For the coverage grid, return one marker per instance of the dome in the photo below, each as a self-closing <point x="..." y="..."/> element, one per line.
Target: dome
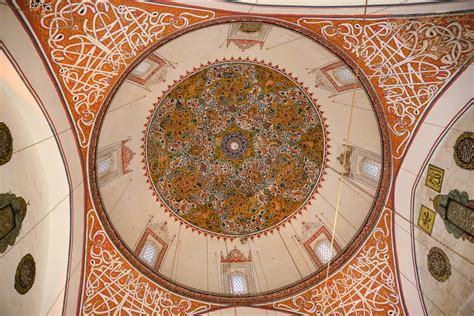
<point x="236" y="146"/>
<point x="236" y="157"/>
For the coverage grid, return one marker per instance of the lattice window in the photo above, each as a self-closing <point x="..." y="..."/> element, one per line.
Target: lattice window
<point x="324" y="251"/>
<point x="370" y="168"/>
<point x="345" y="76"/>
<point x="149" y="252"/>
<point x="105" y="166"/>
<point x="142" y="68"/>
<point x="109" y="164"/>
<point x="237" y="275"/>
<point x="361" y="165"/>
<point x="239" y="283"/>
<point x="113" y="161"/>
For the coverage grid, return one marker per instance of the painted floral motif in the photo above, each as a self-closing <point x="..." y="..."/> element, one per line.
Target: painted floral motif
<point x="235" y="148"/>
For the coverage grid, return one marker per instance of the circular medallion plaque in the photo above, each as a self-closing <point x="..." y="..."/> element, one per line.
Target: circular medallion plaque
<point x="464" y="151"/>
<point x="438" y="264"/>
<point x="25" y="274"/>
<point x="235" y="148"/>
<point x="6" y="144"/>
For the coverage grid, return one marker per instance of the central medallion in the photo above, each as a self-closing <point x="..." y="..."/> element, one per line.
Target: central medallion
<point x="234" y="145"/>
<point x="235" y="148"/>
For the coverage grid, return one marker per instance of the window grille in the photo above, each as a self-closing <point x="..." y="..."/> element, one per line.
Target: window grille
<point x="239" y="283"/>
<point x="344" y="76"/>
<point x="324" y="251"/>
<point x="142" y="68"/>
<point x="105" y="166"/>
<point x="370" y="168"/>
<point x="149" y="253"/>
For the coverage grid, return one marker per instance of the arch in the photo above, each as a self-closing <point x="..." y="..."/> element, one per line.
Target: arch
<point x="307" y="281"/>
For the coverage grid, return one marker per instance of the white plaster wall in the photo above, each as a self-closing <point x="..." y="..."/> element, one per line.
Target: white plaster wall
<point x="38" y="173"/>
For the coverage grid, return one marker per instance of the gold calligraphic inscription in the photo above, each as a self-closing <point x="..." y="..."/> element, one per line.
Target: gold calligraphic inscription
<point x="7" y="220"/>
<point x="434" y="178"/>
<point x="426" y="219"/>
<point x="462" y="216"/>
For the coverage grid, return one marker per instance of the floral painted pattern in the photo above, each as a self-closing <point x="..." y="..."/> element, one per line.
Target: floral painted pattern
<point x="235" y="148"/>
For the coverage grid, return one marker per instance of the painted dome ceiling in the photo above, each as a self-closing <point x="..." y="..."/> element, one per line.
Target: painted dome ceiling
<point x="235" y="148"/>
<point x="229" y="148"/>
<point x="237" y="157"/>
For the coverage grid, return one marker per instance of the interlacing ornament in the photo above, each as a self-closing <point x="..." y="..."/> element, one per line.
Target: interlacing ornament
<point x="90" y="44"/>
<point x="366" y="285"/>
<point x="112" y="287"/>
<point x="235" y="148"/>
<point x="409" y="60"/>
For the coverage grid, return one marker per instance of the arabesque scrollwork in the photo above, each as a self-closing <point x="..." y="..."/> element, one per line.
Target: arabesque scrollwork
<point x="112" y="287"/>
<point x="366" y="286"/>
<point x="92" y="42"/>
<point x="409" y="60"/>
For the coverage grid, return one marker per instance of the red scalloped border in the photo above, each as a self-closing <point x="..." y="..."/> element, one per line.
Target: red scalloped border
<point x="288" y="219"/>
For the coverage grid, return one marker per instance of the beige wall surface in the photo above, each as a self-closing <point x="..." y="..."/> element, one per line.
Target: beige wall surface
<point x="45" y="170"/>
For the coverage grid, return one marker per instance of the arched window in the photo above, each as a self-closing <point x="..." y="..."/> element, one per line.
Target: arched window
<point x="324" y="251"/>
<point x="239" y="283"/>
<point x="370" y="168"/>
<point x="149" y="253"/>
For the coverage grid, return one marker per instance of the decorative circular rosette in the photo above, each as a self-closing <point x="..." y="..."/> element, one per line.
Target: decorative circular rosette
<point x="235" y="148"/>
